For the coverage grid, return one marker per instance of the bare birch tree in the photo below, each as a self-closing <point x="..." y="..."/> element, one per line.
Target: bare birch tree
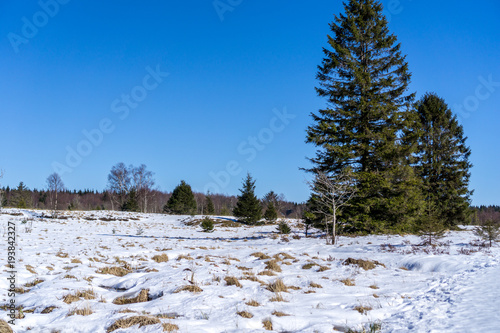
<point x="143" y="183"/>
<point x="54" y="185"/>
<point x="331" y="193"/>
<point x="119" y="183"/>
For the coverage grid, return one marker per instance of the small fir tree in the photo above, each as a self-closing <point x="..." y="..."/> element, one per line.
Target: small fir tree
<point x="207" y="224"/>
<point x="431" y="226"/>
<point x="248" y="207"/>
<point x="270" y="215"/>
<point x="489" y="231"/>
<point x="283" y="228"/>
<point x="209" y="205"/>
<point x="182" y="201"/>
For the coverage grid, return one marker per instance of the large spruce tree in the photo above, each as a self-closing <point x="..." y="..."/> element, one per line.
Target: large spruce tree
<point x="182" y="200"/>
<point x="248" y="207"/>
<point x="364" y="78"/>
<point x="443" y="160"/>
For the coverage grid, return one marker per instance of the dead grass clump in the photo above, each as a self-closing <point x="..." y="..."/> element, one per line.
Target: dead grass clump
<point x="76" y="261"/>
<point x="323" y="268"/>
<point x="309" y="265"/>
<point x="21" y="290"/>
<point x="67" y="276"/>
<point x="277" y="298"/>
<point x="374" y="286"/>
<point x="277" y="286"/>
<point x="85" y="294"/>
<point x="132" y="321"/>
<point x="243" y="268"/>
<point x="279" y="314"/>
<point x="315" y="285"/>
<point x="268" y="324"/>
<point x="4" y="327"/>
<point x="61" y="254"/>
<point x="232" y="281"/>
<point x="191" y="288"/>
<point x="160" y="258"/>
<point x="245" y="314"/>
<point x="273" y="265"/>
<point x="141" y="298"/>
<point x="252" y="303"/>
<point x="33" y="283"/>
<point x="365" y="264"/>
<point x="182" y="256"/>
<point x="348" y="282"/>
<point x="268" y="273"/>
<point x="362" y="309"/>
<point x="85" y="311"/>
<point x="31" y="269"/>
<point x="168" y="327"/>
<point x="284" y="256"/>
<point x="260" y="255"/>
<point x="252" y="278"/>
<point x="114" y="270"/>
<point x="48" y="309"/>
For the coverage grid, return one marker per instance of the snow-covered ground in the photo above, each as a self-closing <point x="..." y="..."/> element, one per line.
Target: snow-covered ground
<point x="454" y="287"/>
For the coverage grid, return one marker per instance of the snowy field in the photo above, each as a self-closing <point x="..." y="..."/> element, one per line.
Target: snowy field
<point x="104" y="271"/>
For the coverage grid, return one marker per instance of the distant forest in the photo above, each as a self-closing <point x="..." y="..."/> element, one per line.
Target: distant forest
<point x="89" y="199"/>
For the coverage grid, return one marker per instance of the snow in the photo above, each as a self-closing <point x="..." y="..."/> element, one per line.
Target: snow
<point x="454" y="287"/>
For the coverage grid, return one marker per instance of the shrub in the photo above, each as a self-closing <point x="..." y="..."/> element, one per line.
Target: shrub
<point x="207" y="224"/>
<point x="283" y="228"/>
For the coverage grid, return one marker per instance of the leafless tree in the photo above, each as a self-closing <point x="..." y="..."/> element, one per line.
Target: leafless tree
<point x="143" y="183"/>
<point x="54" y="185"/>
<point x="119" y="183"/>
<point x="331" y="193"/>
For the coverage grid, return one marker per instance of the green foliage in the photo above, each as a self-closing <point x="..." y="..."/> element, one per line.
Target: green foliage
<point x="489" y="231"/>
<point x="248" y="207"/>
<point x="364" y="78"/>
<point x="270" y="215"/>
<point x="207" y="224"/>
<point x="131" y="205"/>
<point x="443" y="160"/>
<point x="182" y="201"/>
<point x="21" y="197"/>
<point x="209" y="205"/>
<point x="283" y="228"/>
<point x="431" y="225"/>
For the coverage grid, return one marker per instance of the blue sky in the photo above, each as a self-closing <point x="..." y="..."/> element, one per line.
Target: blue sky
<point x="206" y="96"/>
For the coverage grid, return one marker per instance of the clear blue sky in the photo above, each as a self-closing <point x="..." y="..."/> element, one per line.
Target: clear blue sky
<point x="74" y="70"/>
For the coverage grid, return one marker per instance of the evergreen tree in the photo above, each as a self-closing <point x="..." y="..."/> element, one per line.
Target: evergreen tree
<point x="364" y="78"/>
<point x="443" y="160"/>
<point x="248" y="206"/>
<point x="182" y="201"/>
<point x="270" y="215"/>
<point x="131" y="205"/>
<point x="21" y="196"/>
<point x="209" y="205"/>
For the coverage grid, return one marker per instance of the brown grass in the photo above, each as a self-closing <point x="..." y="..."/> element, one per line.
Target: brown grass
<point x="268" y="273"/>
<point x="76" y="261"/>
<point x="141" y="298"/>
<point x="309" y="265"/>
<point x="277" y="286"/>
<point x="160" y="258"/>
<point x="67" y="276"/>
<point x="232" y="281"/>
<point x="31" y="269"/>
<point x="4" y="327"/>
<point x="168" y="327"/>
<point x="283" y="256"/>
<point x="268" y="324"/>
<point x="191" y="288"/>
<point x="33" y="283"/>
<point x="182" y="256"/>
<point x="61" y="254"/>
<point x="315" y="285"/>
<point x="48" y="309"/>
<point x="277" y="298"/>
<point x="85" y="311"/>
<point x="252" y="303"/>
<point x="245" y="314"/>
<point x="114" y="270"/>
<point x="273" y="265"/>
<point x="365" y="264"/>
<point x="362" y="309"/>
<point x="323" y="268"/>
<point x="279" y="314"/>
<point x="85" y="294"/>
<point x="132" y="321"/>
<point x="374" y="286"/>
<point x="260" y="255"/>
<point x="348" y="282"/>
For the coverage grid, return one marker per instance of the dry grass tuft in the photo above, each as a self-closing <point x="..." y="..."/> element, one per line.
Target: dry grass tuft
<point x="309" y="265"/>
<point x="85" y="311"/>
<point x="268" y="324"/>
<point x="273" y="265"/>
<point x="365" y="264"/>
<point x="232" y="281"/>
<point x="168" y="327"/>
<point x="277" y="298"/>
<point x="323" y="268"/>
<point x="31" y="269"/>
<point x="132" y="321"/>
<point x="114" y="270"/>
<point x="76" y="261"/>
<point x="362" y="309"/>
<point x="191" y="288"/>
<point x="374" y="286"/>
<point x="268" y="273"/>
<point x="252" y="303"/>
<point x="141" y="298"/>
<point x="33" y="283"/>
<point x="279" y="314"/>
<point x="348" y="282"/>
<point x="160" y="258"/>
<point x="315" y="285"/>
<point x="67" y="276"/>
<point x="260" y="255"/>
<point x="85" y="294"/>
<point x="61" y="254"/>
<point x="48" y="309"/>
<point x="182" y="256"/>
<point x="277" y="286"/>
<point x="4" y="327"/>
<point x="245" y="314"/>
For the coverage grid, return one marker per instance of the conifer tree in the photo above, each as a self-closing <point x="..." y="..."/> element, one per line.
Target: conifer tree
<point x="182" y="200"/>
<point x="364" y="78"/>
<point x="270" y="215"/>
<point x="443" y="160"/>
<point x="131" y="205"/>
<point x="209" y="205"/>
<point x="248" y="206"/>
